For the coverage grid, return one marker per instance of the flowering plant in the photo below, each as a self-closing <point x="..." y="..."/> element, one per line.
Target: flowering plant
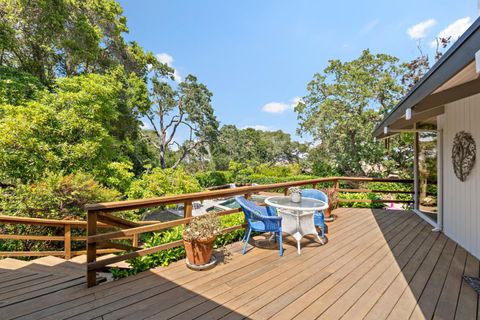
<point x="295" y="190"/>
<point x="202" y="227"/>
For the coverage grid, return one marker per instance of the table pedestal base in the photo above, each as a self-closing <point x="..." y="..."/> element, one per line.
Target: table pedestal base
<point x="299" y="224"/>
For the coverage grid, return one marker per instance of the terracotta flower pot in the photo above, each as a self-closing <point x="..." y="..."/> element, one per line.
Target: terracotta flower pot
<point x="328" y="212"/>
<point x="199" y="252"/>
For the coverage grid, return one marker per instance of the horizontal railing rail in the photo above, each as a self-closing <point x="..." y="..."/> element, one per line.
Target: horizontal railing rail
<point x="67" y="238"/>
<point x="103" y="212"/>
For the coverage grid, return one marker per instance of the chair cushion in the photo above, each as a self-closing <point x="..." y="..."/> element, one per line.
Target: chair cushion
<point x="257" y="226"/>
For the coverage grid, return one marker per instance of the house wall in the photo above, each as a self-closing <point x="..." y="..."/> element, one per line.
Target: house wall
<point x="461" y="200"/>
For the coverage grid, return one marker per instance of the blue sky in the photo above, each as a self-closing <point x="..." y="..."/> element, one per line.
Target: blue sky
<point x="257" y="56"/>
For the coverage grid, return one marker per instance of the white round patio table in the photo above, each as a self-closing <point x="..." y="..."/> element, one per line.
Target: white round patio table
<point x="297" y="217"/>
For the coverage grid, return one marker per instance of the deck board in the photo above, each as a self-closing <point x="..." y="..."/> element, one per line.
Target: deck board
<point x="377" y="264"/>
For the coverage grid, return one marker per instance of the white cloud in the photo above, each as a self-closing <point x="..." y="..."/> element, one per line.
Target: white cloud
<point x="369" y="26"/>
<point x="260" y="127"/>
<point x="281" y="107"/>
<point x="165" y="58"/>
<point x="456" y="29"/>
<point x="419" y="31"/>
<point x="275" y="107"/>
<point x="168" y="60"/>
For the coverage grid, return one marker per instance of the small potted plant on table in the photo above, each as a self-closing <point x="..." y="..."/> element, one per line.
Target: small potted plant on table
<point x="295" y="194"/>
<point x="198" y="238"/>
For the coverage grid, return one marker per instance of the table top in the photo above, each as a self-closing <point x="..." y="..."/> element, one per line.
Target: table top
<point x="306" y="204"/>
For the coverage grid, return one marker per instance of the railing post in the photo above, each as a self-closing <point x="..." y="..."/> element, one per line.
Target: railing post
<point x="248" y="196"/>
<point x="91" y="247"/>
<point x="135" y="240"/>
<point x="337" y="185"/>
<point x="285" y="192"/>
<point x="67" y="233"/>
<point x="314" y="186"/>
<point x="187" y="209"/>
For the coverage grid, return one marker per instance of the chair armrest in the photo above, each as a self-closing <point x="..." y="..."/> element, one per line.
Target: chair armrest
<point x="258" y="216"/>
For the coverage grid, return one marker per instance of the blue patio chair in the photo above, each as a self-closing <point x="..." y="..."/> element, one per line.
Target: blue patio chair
<point x="260" y="219"/>
<point x="318" y="217"/>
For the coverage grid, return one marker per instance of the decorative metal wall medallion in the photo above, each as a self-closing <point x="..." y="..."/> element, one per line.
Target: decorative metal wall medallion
<point x="463" y="154"/>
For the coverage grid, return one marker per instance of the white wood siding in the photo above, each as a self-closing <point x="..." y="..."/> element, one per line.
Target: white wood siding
<point x="461" y="204"/>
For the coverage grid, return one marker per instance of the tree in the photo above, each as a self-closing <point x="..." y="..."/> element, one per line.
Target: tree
<point x="344" y="104"/>
<point x="188" y="107"/>
<point x="70" y="129"/>
<point x="17" y="87"/>
<point x="51" y="38"/>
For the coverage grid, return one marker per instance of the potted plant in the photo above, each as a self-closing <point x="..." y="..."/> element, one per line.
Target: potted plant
<point x="332" y="195"/>
<point x="295" y="194"/>
<point x="199" y="237"/>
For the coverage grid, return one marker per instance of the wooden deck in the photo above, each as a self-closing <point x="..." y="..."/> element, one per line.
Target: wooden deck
<point x="376" y="265"/>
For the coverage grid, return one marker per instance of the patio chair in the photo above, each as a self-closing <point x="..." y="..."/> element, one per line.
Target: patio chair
<point x="260" y="219"/>
<point x="318" y="217"/>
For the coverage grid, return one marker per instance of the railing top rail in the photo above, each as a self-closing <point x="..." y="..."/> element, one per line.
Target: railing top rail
<point x="165" y="200"/>
<point x="57" y="222"/>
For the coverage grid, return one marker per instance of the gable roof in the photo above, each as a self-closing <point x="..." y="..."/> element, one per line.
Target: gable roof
<point x="460" y="54"/>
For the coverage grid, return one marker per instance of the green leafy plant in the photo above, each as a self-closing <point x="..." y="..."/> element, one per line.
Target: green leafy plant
<point x="368" y="196"/>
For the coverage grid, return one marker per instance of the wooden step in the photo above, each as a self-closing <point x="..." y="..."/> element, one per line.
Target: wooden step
<point x="60" y="266"/>
<point x="13" y="264"/>
<point x="83" y="260"/>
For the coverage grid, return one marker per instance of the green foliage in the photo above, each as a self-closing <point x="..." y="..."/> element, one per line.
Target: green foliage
<point x="344" y="104"/>
<point x="119" y="175"/>
<point x="55" y="197"/>
<point x="165" y="257"/>
<point x="239" y="145"/>
<point x="47" y="38"/>
<point x="160" y="182"/>
<point x="67" y="130"/>
<point x="17" y="87"/>
<point x="212" y="178"/>
<point x="251" y="172"/>
<point x="370" y="196"/>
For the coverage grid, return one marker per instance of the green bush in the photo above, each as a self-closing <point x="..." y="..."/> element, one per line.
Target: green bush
<point x="54" y="197"/>
<point x="212" y="178"/>
<point x="371" y="196"/>
<point x="165" y="257"/>
<point x="17" y="86"/>
<point x="160" y="182"/>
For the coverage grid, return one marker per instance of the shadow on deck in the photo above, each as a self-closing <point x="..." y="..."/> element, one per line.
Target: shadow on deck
<point x="377" y="264"/>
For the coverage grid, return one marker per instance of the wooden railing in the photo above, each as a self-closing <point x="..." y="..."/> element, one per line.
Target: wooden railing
<point x="103" y="212"/>
<point x="67" y="238"/>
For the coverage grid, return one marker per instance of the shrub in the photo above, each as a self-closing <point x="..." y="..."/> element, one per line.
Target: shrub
<point x="212" y="178"/>
<point x="54" y="197"/>
<point x="160" y="182"/>
<point x="371" y="196"/>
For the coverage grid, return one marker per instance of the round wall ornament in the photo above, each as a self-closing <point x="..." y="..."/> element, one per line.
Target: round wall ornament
<point x="463" y="154"/>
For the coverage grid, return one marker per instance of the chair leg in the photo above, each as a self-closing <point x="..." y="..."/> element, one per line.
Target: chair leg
<point x="323" y="226"/>
<point x="280" y="242"/>
<point x="245" y="234"/>
<point x="246" y="241"/>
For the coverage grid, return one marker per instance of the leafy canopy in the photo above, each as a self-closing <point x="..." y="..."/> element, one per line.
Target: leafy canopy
<point x="344" y="104"/>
